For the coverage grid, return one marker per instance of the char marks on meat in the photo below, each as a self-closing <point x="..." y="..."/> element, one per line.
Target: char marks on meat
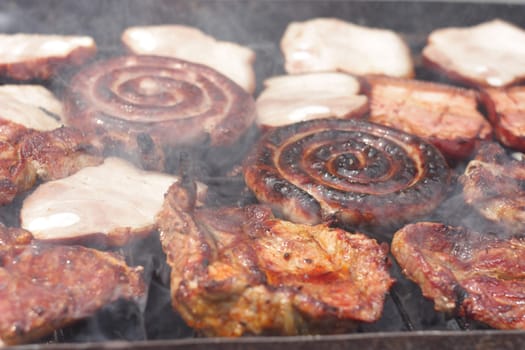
<point x="40" y="56"/>
<point x="330" y="44"/>
<point x="493" y="183"/>
<point x="27" y="155"/>
<point x="356" y="172"/>
<point x="112" y="203"/>
<point x="191" y="44"/>
<point x="137" y="106"/>
<point x="474" y="275"/>
<point x="289" y="99"/>
<point x="46" y="287"/>
<point x="488" y="54"/>
<point x="241" y="271"/>
<point x="506" y="112"/>
<point x="444" y="115"/>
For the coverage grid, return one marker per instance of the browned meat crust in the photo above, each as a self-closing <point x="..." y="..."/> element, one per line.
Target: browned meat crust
<point x="473" y="275"/>
<point x="138" y="105"/>
<point x="444" y="115"/>
<point x="506" y="112"/>
<point x="493" y="183"/>
<point x="354" y="171"/>
<point x="26" y="155"/>
<point x="240" y="271"/>
<point x="45" y="287"/>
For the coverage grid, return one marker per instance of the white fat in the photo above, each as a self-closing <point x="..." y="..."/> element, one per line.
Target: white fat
<point x="329" y="44"/>
<point x="292" y="98"/>
<point x="491" y="53"/>
<point x="111" y="197"/>
<point x="187" y="43"/>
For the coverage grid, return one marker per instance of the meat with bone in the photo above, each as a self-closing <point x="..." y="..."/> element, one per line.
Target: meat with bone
<point x="138" y="106"/>
<point x="241" y="271"/>
<point x="330" y="44"/>
<point x="191" y="44"/>
<point x="289" y="99"/>
<point x="506" y="112"/>
<point x="488" y="54"/>
<point x="474" y="275"/>
<point x="354" y="171"/>
<point x="493" y="183"/>
<point x="40" y="56"/>
<point x="112" y="203"/>
<point x="33" y="106"/>
<point x="46" y="287"/>
<point x="27" y="155"/>
<point x="445" y="116"/>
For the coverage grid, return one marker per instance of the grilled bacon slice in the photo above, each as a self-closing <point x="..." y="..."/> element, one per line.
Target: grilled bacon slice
<point x="506" y="111"/>
<point x="191" y="44"/>
<point x="490" y="54"/>
<point x="39" y="56"/>
<point x="445" y="116"/>
<point x="356" y="172"/>
<point x="474" y="275"/>
<point x="241" y="271"/>
<point x="493" y="183"/>
<point x="330" y="44"/>
<point x="46" y="287"/>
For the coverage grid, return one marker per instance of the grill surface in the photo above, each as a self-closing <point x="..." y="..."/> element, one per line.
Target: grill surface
<point x="409" y="320"/>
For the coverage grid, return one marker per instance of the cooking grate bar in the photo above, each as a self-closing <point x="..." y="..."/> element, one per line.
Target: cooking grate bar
<point x="409" y="326"/>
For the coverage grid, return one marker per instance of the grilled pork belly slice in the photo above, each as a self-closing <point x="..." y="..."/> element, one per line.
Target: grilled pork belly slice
<point x="330" y="44"/>
<point x="191" y="44"/>
<point x="493" y="183"/>
<point x="241" y="271"/>
<point x="488" y="54"/>
<point x="446" y="116"/>
<point x="506" y="112"/>
<point x="40" y="56"/>
<point x="112" y="203"/>
<point x="33" y="106"/>
<point x="27" y="155"/>
<point x="474" y="275"/>
<point x="289" y="99"/>
<point x="46" y="287"/>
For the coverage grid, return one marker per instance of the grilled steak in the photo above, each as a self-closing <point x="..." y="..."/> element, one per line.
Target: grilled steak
<point x="467" y="273"/>
<point x="354" y="171"/>
<point x="493" y="183"/>
<point x="487" y="54"/>
<point x="137" y="106"/>
<point x="39" y="56"/>
<point x="26" y="155"/>
<point x="289" y="99"/>
<point x="191" y="44"/>
<point x="444" y="115"/>
<point x="506" y="111"/>
<point x="330" y="44"/>
<point x="45" y="287"/>
<point x="241" y="271"/>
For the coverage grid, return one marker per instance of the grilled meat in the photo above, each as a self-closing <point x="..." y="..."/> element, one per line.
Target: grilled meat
<point x="444" y="115"/>
<point x="39" y="56"/>
<point x="330" y="44"/>
<point x="191" y="44"/>
<point x="112" y="203"/>
<point x="493" y="183"/>
<point x="27" y="155"/>
<point x="289" y="99"/>
<point x="137" y="106"/>
<point x="354" y="171"/>
<point x="506" y="111"/>
<point x="241" y="271"/>
<point x="487" y="54"/>
<point x="45" y="287"/>
<point x="467" y="273"/>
